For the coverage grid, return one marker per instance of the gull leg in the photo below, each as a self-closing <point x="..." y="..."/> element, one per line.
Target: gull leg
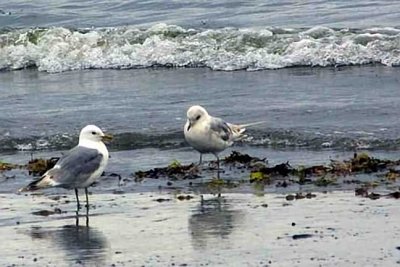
<point x="217" y="167"/>
<point x="78" y="206"/>
<point x="87" y="199"/>
<point x="219" y="193"/>
<point x="87" y="206"/>
<point x="200" y="161"/>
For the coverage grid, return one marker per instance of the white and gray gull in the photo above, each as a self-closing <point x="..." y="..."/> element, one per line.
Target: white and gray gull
<point x="208" y="134"/>
<point x="79" y="167"/>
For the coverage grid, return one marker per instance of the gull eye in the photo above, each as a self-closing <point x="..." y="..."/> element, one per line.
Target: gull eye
<point x="198" y="117"/>
<point x="94" y="133"/>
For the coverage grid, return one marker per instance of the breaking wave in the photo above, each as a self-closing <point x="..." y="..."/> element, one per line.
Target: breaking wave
<point x="278" y="139"/>
<point x="61" y="49"/>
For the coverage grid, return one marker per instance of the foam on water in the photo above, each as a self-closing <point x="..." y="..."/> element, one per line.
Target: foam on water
<point x="60" y="49"/>
<point x="276" y="138"/>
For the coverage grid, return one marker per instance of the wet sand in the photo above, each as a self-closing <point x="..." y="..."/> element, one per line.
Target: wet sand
<point x="157" y="229"/>
<point x="144" y="222"/>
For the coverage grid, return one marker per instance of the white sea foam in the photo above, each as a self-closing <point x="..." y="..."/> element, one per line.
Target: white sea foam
<point x="61" y="49"/>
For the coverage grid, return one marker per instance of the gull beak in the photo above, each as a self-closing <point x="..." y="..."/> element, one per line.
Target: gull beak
<point x="189" y="125"/>
<point x="106" y="137"/>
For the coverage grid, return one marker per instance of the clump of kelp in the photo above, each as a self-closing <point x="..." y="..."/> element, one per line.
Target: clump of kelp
<point x="174" y="171"/>
<point x="35" y="167"/>
<point x="243" y="160"/>
<point x="364" y="192"/>
<point x="323" y="175"/>
<point x="4" y="166"/>
<point x="284" y="174"/>
<point x="261" y="171"/>
<point x="178" y="171"/>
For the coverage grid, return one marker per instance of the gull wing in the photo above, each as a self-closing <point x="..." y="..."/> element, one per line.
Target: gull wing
<point x="221" y="128"/>
<point x="75" y="167"/>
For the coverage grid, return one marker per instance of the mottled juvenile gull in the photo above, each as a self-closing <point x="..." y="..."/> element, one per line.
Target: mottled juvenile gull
<point x="208" y="134"/>
<point x="79" y="167"/>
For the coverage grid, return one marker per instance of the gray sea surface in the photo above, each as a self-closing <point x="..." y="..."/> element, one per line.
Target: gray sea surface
<point x="347" y="108"/>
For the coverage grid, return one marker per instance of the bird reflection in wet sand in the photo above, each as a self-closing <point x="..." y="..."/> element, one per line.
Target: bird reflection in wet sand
<point x="81" y="244"/>
<point x="211" y="221"/>
<point x="86" y="218"/>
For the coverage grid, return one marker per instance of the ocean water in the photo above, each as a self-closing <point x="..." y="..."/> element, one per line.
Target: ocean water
<point x="322" y="74"/>
<point x="312" y="108"/>
<point x="58" y="36"/>
<point x="197" y="13"/>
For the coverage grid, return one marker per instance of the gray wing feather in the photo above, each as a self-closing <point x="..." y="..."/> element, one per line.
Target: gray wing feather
<point x="221" y="128"/>
<point x="76" y="166"/>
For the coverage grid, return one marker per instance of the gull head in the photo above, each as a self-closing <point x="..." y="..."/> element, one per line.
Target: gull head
<point x="92" y="133"/>
<point x="195" y="114"/>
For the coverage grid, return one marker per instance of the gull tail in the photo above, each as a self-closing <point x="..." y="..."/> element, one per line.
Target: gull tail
<point x="44" y="182"/>
<point x="243" y="126"/>
<point x="239" y="129"/>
